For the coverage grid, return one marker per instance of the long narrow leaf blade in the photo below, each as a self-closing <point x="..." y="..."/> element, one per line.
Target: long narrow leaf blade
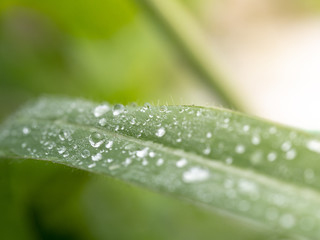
<point x="246" y="167"/>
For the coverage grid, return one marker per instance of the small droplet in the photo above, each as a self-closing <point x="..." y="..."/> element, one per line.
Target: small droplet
<point x="179" y="140"/>
<point x="96" y="157"/>
<point x="96" y="139"/>
<point x="246" y="128"/>
<point x="100" y="110"/>
<point x="85" y="153"/>
<point x="160" y="132"/>
<point x="229" y="160"/>
<point x="61" y="149"/>
<point x="287" y="221"/>
<point x="181" y="163"/>
<point x="207" y="151"/>
<point x="152" y="154"/>
<point x="144" y="162"/>
<point x="291" y="154"/>
<point x="25" y="130"/>
<point x="102" y="122"/>
<point x="195" y="174"/>
<point x="133" y="121"/>
<point x="160" y="162"/>
<point x="142" y="153"/>
<point x="127" y="162"/>
<point x="109" y="144"/>
<point x="286" y="146"/>
<point x="240" y="149"/>
<point x="255" y="140"/>
<point x="64" y="135"/>
<point x="272" y="156"/>
<point x="272" y="130"/>
<point x="209" y="135"/>
<point x="163" y="108"/>
<point x="92" y="165"/>
<point x="117" y="109"/>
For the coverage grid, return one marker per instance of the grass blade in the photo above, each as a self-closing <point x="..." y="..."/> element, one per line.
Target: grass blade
<point x="243" y="166"/>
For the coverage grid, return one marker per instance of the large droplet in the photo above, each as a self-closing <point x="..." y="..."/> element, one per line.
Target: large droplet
<point x="96" y="139"/>
<point x="117" y="109"/>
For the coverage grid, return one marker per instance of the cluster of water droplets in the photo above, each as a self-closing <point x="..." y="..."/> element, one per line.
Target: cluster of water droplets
<point x="181" y="146"/>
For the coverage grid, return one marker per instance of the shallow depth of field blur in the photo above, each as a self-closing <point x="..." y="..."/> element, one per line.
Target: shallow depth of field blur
<point x="112" y="50"/>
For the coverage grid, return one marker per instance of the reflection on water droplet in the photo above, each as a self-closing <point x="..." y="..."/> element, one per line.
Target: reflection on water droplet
<point x="209" y="135"/>
<point x="160" y="132"/>
<point x="100" y="110"/>
<point x="64" y="135"/>
<point x="85" y="153"/>
<point x="96" y="139"/>
<point x="117" y="109"/>
<point x="195" y="174"/>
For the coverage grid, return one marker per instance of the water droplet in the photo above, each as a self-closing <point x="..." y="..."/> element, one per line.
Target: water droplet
<point x="314" y="145"/>
<point x="61" y="149"/>
<point x="181" y="163"/>
<point x="272" y="156"/>
<point x="92" y="165"/>
<point x="163" y="108"/>
<point x="142" y="153"/>
<point x="127" y="162"/>
<point x="209" y="135"/>
<point x="102" y="122"/>
<point x="25" y="130"/>
<point x="246" y="128"/>
<point x="109" y="160"/>
<point x="96" y="157"/>
<point x="100" y="110"/>
<point x="160" y="162"/>
<point x="109" y="144"/>
<point x="247" y="186"/>
<point x="144" y="162"/>
<point x="23" y="145"/>
<point x="152" y="154"/>
<point x="147" y="106"/>
<point x="133" y="121"/>
<point x="85" y="153"/>
<point x="179" y="140"/>
<point x="255" y="140"/>
<point x="240" y="149"/>
<point x="195" y="174"/>
<point x="272" y="130"/>
<point x="256" y="157"/>
<point x="287" y="221"/>
<point x="96" y="139"/>
<point x="160" y="132"/>
<point x="229" y="160"/>
<point x="286" y="146"/>
<point x="291" y="154"/>
<point x="117" y="109"/>
<point x="207" y="151"/>
<point x="64" y="135"/>
<point x="309" y="175"/>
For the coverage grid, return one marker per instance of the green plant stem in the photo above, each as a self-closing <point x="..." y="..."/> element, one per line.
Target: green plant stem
<point x="191" y="43"/>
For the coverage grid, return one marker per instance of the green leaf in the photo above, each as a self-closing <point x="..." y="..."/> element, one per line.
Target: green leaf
<point x="248" y="168"/>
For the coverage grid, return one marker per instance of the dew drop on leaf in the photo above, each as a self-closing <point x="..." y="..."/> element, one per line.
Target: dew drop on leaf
<point x="85" y="153"/>
<point x="160" y="132"/>
<point x="117" y="109"/>
<point x="181" y="163"/>
<point x="100" y="110"/>
<point x="195" y="174"/>
<point x="96" y="139"/>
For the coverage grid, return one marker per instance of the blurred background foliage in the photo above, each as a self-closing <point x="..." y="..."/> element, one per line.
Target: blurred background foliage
<point x="110" y="50"/>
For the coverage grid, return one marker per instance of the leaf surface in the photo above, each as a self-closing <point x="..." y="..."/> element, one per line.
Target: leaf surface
<point x="249" y="168"/>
